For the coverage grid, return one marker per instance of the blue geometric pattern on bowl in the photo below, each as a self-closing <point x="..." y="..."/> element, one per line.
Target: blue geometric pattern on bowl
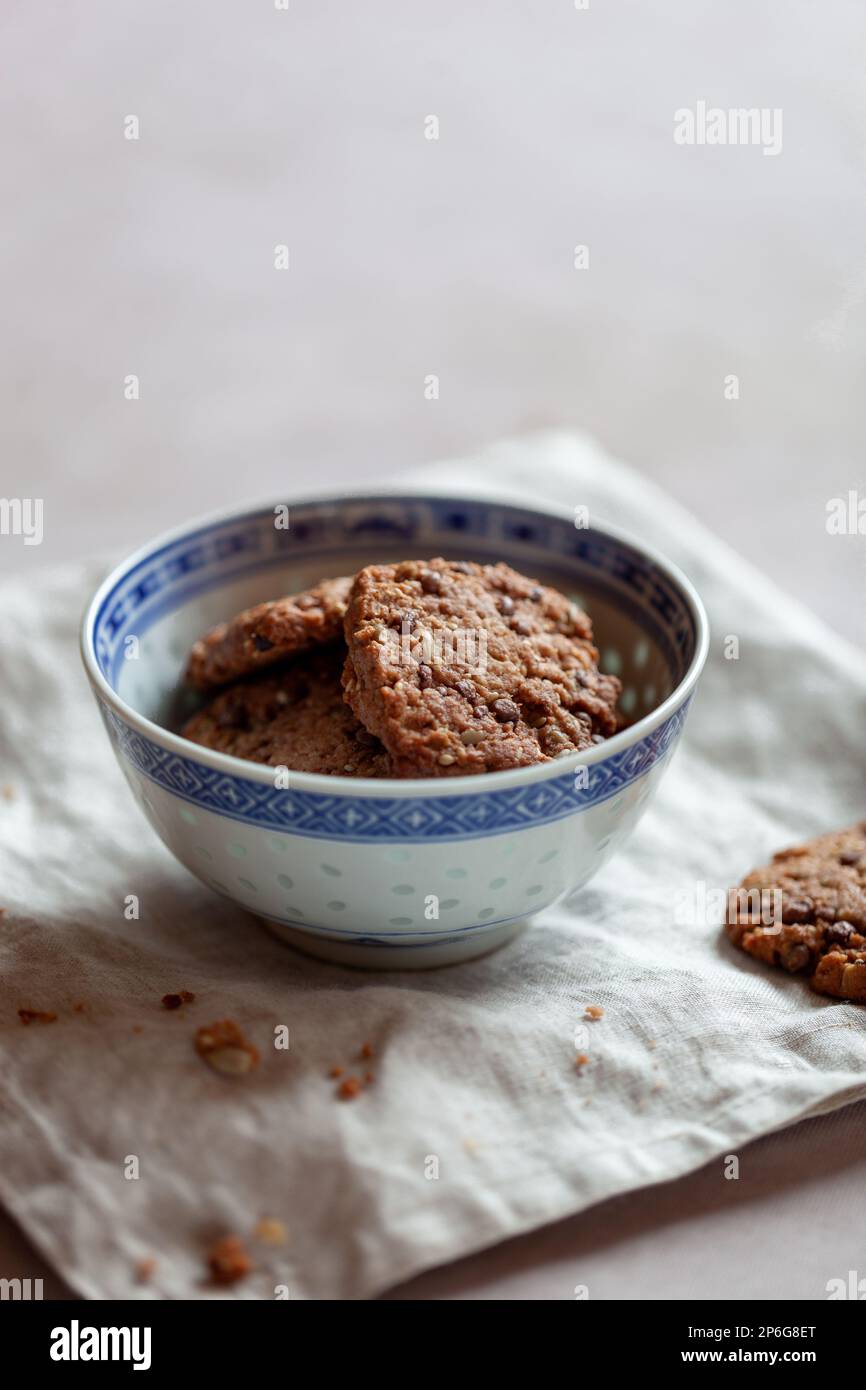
<point x="365" y="819"/>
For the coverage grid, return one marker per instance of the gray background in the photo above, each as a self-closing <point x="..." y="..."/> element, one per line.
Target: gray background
<point x="455" y="257"/>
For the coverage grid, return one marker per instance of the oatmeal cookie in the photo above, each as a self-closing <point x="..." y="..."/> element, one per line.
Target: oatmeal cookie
<point x="295" y="717"/>
<point x="822" y="933"/>
<point x="465" y="668"/>
<point x="268" y="633"/>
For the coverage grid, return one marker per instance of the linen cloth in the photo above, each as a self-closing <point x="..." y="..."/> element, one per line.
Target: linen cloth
<point x="700" y="1049"/>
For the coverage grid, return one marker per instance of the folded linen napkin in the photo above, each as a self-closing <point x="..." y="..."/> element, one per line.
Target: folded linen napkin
<point x="699" y="1050"/>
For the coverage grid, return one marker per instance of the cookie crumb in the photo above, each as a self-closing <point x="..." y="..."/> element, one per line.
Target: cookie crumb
<point x="652" y="1044"/>
<point x="367" y="1050"/>
<point x="223" y="1046"/>
<point x="29" y="1016"/>
<point x="594" y="1011"/>
<point x="228" y="1260"/>
<point x="176" y="1001"/>
<point x="137" y="1028"/>
<point x="145" y="1270"/>
<point x="335" y="1072"/>
<point x="369" y="1078"/>
<point x="79" y="1008"/>
<point x="270" y="1231"/>
<point x="581" y="1060"/>
<point x="350" y="1088"/>
<point x="471" y="1146"/>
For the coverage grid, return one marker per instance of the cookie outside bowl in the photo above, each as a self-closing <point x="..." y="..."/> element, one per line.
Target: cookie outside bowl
<point x="380" y="873"/>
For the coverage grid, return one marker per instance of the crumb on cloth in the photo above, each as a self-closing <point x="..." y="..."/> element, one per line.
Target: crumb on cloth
<point x="175" y="1001"/>
<point x="228" y="1260"/>
<point x="223" y="1046"/>
<point x="270" y="1231"/>
<point x="28" y="1016"/>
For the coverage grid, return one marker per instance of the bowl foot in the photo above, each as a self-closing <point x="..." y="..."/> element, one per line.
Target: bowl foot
<point x="373" y="955"/>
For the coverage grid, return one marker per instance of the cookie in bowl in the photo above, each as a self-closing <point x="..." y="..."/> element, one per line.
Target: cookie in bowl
<point x="268" y="633"/>
<point x="449" y="668"/>
<point x="464" y="668"/>
<point x="295" y="718"/>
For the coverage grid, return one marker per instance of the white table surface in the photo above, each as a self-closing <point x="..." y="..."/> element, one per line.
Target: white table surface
<point x="411" y="257"/>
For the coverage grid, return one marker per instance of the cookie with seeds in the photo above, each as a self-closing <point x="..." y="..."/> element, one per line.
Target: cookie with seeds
<point x="818" y="889"/>
<point x="295" y="717"/>
<point x="268" y="633"/>
<point x="463" y="668"/>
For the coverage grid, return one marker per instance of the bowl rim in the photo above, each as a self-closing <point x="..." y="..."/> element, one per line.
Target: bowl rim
<point x="331" y="785"/>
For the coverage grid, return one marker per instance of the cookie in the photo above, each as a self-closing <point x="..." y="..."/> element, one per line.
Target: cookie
<point x="822" y="933"/>
<point x="464" y="668"/>
<point x="268" y="633"/>
<point x="295" y="717"/>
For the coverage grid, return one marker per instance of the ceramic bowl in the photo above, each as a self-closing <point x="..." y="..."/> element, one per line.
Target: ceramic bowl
<point x="389" y="873"/>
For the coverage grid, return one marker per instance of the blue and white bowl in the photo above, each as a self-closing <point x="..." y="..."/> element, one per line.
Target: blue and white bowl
<point x="389" y="873"/>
